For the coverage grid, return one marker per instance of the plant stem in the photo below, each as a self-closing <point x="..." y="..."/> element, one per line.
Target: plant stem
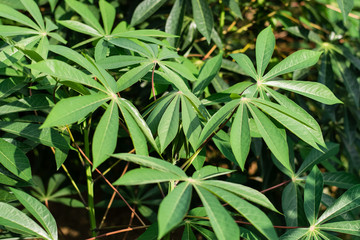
<point x="90" y="184"/>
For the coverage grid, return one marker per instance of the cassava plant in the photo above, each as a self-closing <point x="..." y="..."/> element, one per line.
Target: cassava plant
<point x="129" y="110"/>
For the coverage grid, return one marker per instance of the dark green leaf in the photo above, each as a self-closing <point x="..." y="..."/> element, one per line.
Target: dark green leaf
<point x="312" y="194"/>
<point x="203" y="18"/>
<point x="347" y="227"/>
<point x="265" y="44"/>
<point x="175" y="20"/>
<point x="144" y="10"/>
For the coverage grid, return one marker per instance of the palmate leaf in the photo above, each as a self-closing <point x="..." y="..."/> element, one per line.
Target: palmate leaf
<point x="295" y="234"/>
<point x="347" y="227"/>
<point x="345" y="203"/>
<point x="39" y="211"/>
<point x="106" y="134"/>
<point x="265" y="44"/>
<point x="72" y="109"/>
<point x="254" y="215"/>
<point x="120" y="61"/>
<point x="173" y="208"/>
<point x="144" y="10"/>
<point x="80" y="27"/>
<point x="240" y="138"/>
<point x="313" y="90"/>
<point x="272" y="136"/>
<point x="10" y="13"/>
<point x="298" y="60"/>
<point x="245" y="64"/>
<point x="203" y="18"/>
<point x="210" y="172"/>
<point x="14" y="160"/>
<point x="108" y="13"/>
<point x="312" y="194"/>
<point x="180" y="69"/>
<point x="134" y="75"/>
<point x="32" y="7"/>
<point x="13" y="218"/>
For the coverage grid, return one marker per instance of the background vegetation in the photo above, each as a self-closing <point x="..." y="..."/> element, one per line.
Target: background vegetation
<point x="185" y="119"/>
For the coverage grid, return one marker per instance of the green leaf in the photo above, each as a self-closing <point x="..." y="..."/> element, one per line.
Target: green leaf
<point x="345" y="203"/>
<point x="141" y="176"/>
<point x="169" y="123"/>
<point x="222" y="223"/>
<point x="180" y="69"/>
<point x="108" y="13"/>
<point x="132" y="76"/>
<point x="39" y="211"/>
<point x="295" y="234"/>
<point x="210" y="172"/>
<point x="240" y="138"/>
<point x="203" y="18"/>
<point x="32" y="7"/>
<point x="139" y="120"/>
<point x="86" y="14"/>
<point x="209" y="235"/>
<point x="340" y="179"/>
<point x="65" y="72"/>
<point x="35" y="102"/>
<point x="14" y="160"/>
<point x="347" y="227"/>
<point x="272" y="136"/>
<point x="315" y="157"/>
<point x="132" y="45"/>
<point x="190" y="121"/>
<point x="144" y="10"/>
<point x="245" y="64"/>
<point x="298" y="60"/>
<point x="345" y="7"/>
<point x="234" y="8"/>
<point x="254" y="215"/>
<point x="120" y="61"/>
<point x="15" y="219"/>
<point x="10" y="13"/>
<point x="290" y="204"/>
<point x="106" y="134"/>
<point x="137" y="136"/>
<point x="216" y="120"/>
<point x="207" y="74"/>
<point x="245" y="192"/>
<point x="173" y="208"/>
<point x="157" y="110"/>
<point x="151" y="162"/>
<point x="312" y="194"/>
<point x="79" y="27"/>
<point x="265" y="44"/>
<point x="72" y="109"/>
<point x="188" y="234"/>
<point x="313" y="90"/>
<point x="175" y="20"/>
<point x="9" y="31"/>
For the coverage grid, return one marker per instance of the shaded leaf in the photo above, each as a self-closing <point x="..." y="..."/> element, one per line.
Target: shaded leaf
<point x="312" y="194"/>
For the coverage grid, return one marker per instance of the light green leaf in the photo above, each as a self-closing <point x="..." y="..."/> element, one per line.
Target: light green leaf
<point x="210" y="172"/>
<point x="35" y="102"/>
<point x="10" y="13"/>
<point x="120" y="61"/>
<point x="32" y="7"/>
<point x="203" y="18"/>
<point x="180" y="69"/>
<point x="151" y="162"/>
<point x="234" y="8"/>
<point x="169" y="123"/>
<point x="295" y="234"/>
<point x="105" y="136"/>
<point x="207" y="74"/>
<point x="173" y="208"/>
<point x="245" y="192"/>
<point x="80" y="27"/>
<point x="340" y="179"/>
<point x="254" y="215"/>
<point x="14" y="160"/>
<point x="72" y="109"/>
<point x="15" y="219"/>
<point x="345" y="7"/>
<point x="240" y="138"/>
<point x="137" y="136"/>
<point x="174" y="21"/>
<point x="272" y="136"/>
<point x="174" y="79"/>
<point x="108" y="15"/>
<point x="216" y="120"/>
<point x="141" y="176"/>
<point x="39" y="211"/>
<point x="132" y="45"/>
<point x="190" y="121"/>
<point x="222" y="223"/>
<point x="313" y="90"/>
<point x="245" y="64"/>
<point x="347" y="227"/>
<point x="132" y="76"/>
<point x="144" y="10"/>
<point x="9" y="31"/>
<point x="65" y="72"/>
<point x="298" y="60"/>
<point x="265" y="44"/>
<point x="345" y="203"/>
<point x="86" y="14"/>
<point x="312" y="194"/>
<point x="315" y="157"/>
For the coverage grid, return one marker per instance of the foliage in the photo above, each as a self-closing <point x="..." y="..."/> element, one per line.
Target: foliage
<point x="77" y="83"/>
